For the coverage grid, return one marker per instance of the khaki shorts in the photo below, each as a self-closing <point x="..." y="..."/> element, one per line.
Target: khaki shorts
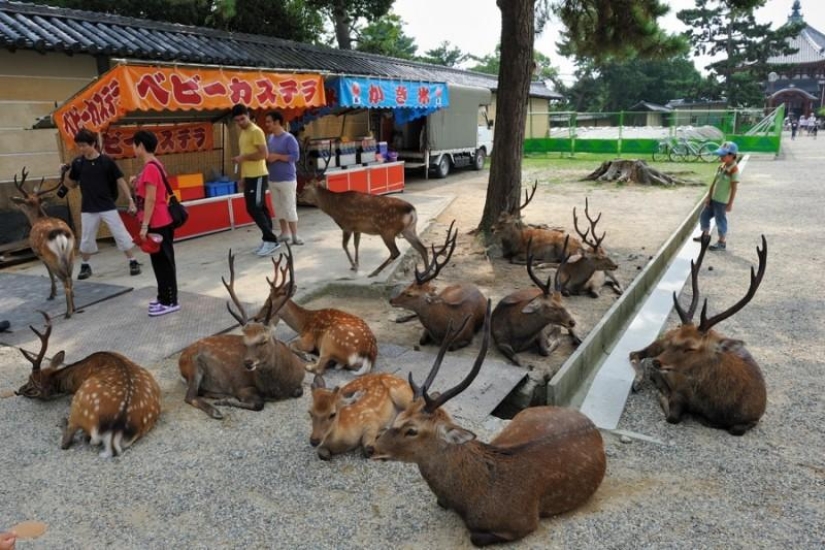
<point x="90" y="222"/>
<point x="284" y="200"/>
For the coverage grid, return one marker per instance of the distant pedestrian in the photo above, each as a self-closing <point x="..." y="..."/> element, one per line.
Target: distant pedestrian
<point x="283" y="153"/>
<point x="153" y="214"/>
<point x="99" y="179"/>
<point x="794" y="126"/>
<point x="721" y="195"/>
<point x="254" y="175"/>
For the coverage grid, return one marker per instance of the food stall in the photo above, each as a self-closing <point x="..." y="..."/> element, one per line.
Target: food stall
<point x="349" y="140"/>
<point x="186" y="106"/>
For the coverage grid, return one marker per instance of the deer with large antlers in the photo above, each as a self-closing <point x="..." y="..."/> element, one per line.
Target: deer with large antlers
<point x="243" y="370"/>
<point x="437" y="310"/>
<point x="115" y="401"/>
<point x="357" y="213"/>
<point x="591" y="269"/>
<point x="50" y="238"/>
<point x="520" y="319"/>
<point x="547" y="243"/>
<point x="547" y="460"/>
<point x="698" y="371"/>
<point x="352" y="416"/>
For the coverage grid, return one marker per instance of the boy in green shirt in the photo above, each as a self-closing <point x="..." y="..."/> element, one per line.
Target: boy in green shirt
<point x="721" y="195"/>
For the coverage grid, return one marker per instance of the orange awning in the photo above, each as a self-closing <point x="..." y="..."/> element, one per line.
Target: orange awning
<point x="139" y="88"/>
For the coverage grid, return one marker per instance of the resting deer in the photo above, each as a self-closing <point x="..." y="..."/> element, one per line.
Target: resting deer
<point x="357" y="213"/>
<point x="547" y="460"/>
<point x="242" y="370"/>
<point x="699" y="371"/>
<point x="346" y="418"/>
<point x="437" y="310"/>
<point x="115" y="400"/>
<point x="547" y="244"/>
<point x="337" y="336"/>
<point x="50" y="239"/>
<point x="588" y="270"/>
<point x="520" y="319"/>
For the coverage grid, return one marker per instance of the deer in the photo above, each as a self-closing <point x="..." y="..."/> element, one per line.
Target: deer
<point x="589" y="270"/>
<point x="436" y="310"/>
<point x="115" y="402"/>
<point x="357" y="213"/>
<point x="338" y="337"/>
<point x="51" y="240"/>
<point x="243" y="370"/>
<point x="515" y="234"/>
<point x="547" y="461"/>
<point x="698" y="371"/>
<point x="352" y="416"/>
<point x="521" y="318"/>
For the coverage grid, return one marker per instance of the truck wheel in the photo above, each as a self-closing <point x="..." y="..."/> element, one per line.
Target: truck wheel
<point x="443" y="168"/>
<point x="478" y="159"/>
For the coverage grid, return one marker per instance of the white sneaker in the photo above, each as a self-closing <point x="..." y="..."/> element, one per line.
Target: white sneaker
<point x="268" y="249"/>
<point x="260" y="246"/>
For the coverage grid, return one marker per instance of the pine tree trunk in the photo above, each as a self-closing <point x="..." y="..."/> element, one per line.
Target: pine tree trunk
<point x="342" y="22"/>
<point x="515" y="73"/>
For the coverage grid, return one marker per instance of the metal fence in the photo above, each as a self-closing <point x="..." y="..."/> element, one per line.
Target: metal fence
<point x="640" y="132"/>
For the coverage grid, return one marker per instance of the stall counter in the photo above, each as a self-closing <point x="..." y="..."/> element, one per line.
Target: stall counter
<point x="375" y="179"/>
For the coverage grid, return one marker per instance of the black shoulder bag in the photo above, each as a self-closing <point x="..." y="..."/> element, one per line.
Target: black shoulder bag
<point x="176" y="209"/>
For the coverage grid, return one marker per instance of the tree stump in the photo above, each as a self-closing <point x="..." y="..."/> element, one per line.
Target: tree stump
<point x="631" y="171"/>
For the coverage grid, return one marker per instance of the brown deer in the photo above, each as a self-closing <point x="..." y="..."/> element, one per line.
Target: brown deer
<point x="115" y="400"/>
<point x="589" y="270"/>
<point x="50" y="239"/>
<point x="547" y="460"/>
<point x="515" y="234"/>
<point x="346" y="418"/>
<point x="437" y="310"/>
<point x="699" y="371"/>
<point x="357" y="213"/>
<point x="242" y="370"/>
<point x="520" y="319"/>
<point x="337" y="336"/>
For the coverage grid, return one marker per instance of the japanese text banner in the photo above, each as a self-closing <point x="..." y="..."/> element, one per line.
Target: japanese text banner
<point x="181" y="138"/>
<point x="129" y="88"/>
<point x="388" y="94"/>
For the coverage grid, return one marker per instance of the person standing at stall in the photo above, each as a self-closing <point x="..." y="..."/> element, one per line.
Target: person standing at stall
<point x="154" y="217"/>
<point x="254" y="175"/>
<point x="283" y="153"/>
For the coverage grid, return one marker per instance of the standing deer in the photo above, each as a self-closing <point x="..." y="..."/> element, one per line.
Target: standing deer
<point x="699" y="371"/>
<point x="588" y="270"/>
<point x="345" y="418"/>
<point x="242" y="370"/>
<point x="50" y="239"/>
<point x="337" y="336"/>
<point x="547" y="460"/>
<point x="357" y="213"/>
<point x="521" y="318"/>
<point x="437" y="310"/>
<point x="115" y="400"/>
<point x="547" y="243"/>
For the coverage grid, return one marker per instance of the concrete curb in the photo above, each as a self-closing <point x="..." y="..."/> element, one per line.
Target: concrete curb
<point x="569" y="382"/>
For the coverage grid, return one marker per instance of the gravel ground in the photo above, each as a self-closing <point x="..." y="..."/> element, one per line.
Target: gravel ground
<point x="253" y="481"/>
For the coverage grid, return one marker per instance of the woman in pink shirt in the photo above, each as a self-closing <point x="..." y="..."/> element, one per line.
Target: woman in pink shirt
<point x="154" y="217"/>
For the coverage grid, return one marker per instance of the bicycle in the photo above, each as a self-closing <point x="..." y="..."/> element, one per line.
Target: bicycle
<point x="682" y="149"/>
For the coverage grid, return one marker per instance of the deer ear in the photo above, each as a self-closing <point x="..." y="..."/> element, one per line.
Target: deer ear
<point x="349" y="399"/>
<point x="532" y="306"/>
<point x="58" y="359"/>
<point x="455" y="435"/>
<point x="575" y="258"/>
<point x="318" y="382"/>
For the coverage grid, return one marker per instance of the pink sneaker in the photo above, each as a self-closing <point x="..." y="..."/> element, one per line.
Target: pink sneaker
<point x="163" y="310"/>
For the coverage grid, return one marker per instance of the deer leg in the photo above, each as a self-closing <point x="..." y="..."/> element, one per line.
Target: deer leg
<point x="192" y="393"/>
<point x="574" y="336"/>
<point x="68" y="435"/>
<point x="67" y="290"/>
<point x="410" y="234"/>
<point x="53" y="292"/>
<point x="485" y="538"/>
<point x="394" y="253"/>
<point x="353" y="263"/>
<point x="321" y="365"/>
<point x="356" y="241"/>
<point x="509" y="353"/>
<point x="549" y="341"/>
<point x="425" y="338"/>
<point x="368" y="441"/>
<point x="247" y="398"/>
<point x="614" y="283"/>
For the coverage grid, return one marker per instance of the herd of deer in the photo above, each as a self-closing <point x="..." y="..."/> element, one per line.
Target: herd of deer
<point x="548" y="460"/>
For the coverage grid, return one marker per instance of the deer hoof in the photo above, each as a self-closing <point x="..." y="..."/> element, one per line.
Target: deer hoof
<point x="216" y="414"/>
<point x="324" y="454"/>
<point x="298" y="392"/>
<point x="369" y="450"/>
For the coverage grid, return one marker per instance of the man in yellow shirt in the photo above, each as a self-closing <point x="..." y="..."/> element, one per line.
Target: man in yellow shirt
<point x="254" y="175"/>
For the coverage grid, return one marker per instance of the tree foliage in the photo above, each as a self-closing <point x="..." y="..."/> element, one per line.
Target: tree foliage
<point x="445" y="54"/>
<point x="728" y="28"/>
<point x="386" y="36"/>
<point x="347" y="16"/>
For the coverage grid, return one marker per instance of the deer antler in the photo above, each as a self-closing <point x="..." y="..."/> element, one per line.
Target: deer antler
<point x="434" y="268"/>
<point x="706" y="324"/>
<point x="44" y="342"/>
<point x="433" y="404"/>
<point x="694" y="282"/>
<point x="20" y="185"/>
<point x="528" y="196"/>
<point x="276" y="288"/>
<point x="564" y="257"/>
<point x="545" y="287"/>
<point x="242" y="318"/>
<point x="592" y="230"/>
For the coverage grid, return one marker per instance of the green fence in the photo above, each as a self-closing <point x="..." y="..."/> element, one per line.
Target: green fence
<point x="635" y="133"/>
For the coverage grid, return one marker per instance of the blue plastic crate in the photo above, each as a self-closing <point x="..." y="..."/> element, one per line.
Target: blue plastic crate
<point x="219" y="188"/>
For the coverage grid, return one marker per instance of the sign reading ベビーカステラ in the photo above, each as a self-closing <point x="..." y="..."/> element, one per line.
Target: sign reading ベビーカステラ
<point x="180" y="138"/>
<point x="130" y="88"/>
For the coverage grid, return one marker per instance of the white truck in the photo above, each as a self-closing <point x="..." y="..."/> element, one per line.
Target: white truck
<point x="459" y="135"/>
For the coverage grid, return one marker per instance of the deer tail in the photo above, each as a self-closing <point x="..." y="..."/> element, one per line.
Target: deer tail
<point x="61" y="243"/>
